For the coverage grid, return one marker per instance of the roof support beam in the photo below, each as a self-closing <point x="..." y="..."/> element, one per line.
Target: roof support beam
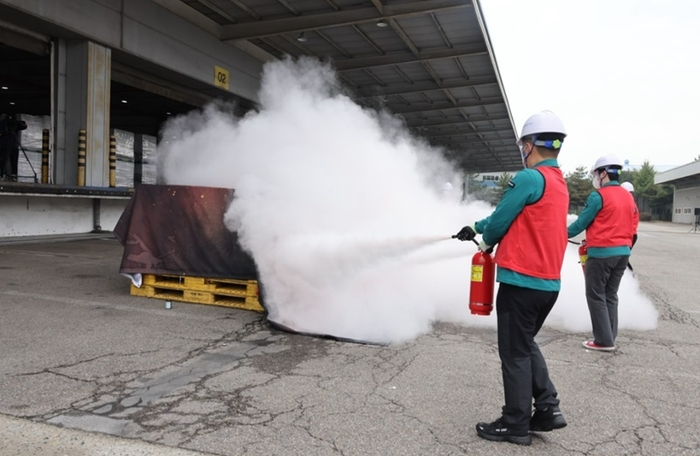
<point x="143" y="81"/>
<point x="425" y="107"/>
<point x="476" y="144"/>
<point x="465" y="127"/>
<point x="245" y="8"/>
<point x="470" y="142"/>
<point x="259" y="29"/>
<point x="483" y="164"/>
<point x="458" y="133"/>
<point x="461" y="151"/>
<point x="415" y="123"/>
<point x="398" y="58"/>
<point x="486" y="162"/>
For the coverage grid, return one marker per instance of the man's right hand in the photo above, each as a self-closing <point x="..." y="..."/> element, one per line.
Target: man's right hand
<point x="466" y="234"/>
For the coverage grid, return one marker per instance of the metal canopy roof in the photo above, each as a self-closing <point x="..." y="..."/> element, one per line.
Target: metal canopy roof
<point x="428" y="61"/>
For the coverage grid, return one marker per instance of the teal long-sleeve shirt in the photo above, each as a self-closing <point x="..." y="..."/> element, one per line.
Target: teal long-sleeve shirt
<point x="593" y="205"/>
<point x="526" y="187"/>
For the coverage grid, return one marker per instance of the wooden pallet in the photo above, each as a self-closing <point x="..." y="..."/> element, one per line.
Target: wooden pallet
<point x="242" y="294"/>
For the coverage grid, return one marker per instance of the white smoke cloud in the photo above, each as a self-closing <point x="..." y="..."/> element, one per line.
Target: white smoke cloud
<point x="346" y="215"/>
<point x="635" y="310"/>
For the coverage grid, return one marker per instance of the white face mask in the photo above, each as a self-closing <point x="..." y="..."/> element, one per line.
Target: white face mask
<point x="597" y="180"/>
<point x="524" y="156"/>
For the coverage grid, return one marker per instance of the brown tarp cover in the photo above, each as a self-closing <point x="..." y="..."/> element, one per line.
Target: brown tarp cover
<point x="179" y="230"/>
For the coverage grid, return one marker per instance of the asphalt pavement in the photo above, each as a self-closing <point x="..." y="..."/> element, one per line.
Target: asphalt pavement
<point x="88" y="369"/>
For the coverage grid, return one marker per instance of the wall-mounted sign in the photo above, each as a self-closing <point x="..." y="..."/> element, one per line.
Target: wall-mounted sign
<point x="220" y="77"/>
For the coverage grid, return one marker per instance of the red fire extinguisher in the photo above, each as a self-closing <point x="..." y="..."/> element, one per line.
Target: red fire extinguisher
<point x="482" y="284"/>
<point x="583" y="255"/>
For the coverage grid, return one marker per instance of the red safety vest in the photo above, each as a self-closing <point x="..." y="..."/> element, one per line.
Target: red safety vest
<point x="616" y="221"/>
<point x="534" y="244"/>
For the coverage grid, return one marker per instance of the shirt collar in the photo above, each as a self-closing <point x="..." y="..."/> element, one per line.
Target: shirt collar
<point x="547" y="162"/>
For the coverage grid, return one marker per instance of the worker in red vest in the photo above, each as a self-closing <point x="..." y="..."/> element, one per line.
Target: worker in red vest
<point x="610" y="218"/>
<point x="529" y="226"/>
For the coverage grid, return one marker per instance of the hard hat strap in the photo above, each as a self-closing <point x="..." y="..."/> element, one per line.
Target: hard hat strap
<point x="549" y="144"/>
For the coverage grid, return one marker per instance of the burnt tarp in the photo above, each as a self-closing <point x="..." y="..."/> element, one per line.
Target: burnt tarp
<point x="179" y="230"/>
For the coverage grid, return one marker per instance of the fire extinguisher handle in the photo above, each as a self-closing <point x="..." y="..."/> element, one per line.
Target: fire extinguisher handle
<point x="473" y="240"/>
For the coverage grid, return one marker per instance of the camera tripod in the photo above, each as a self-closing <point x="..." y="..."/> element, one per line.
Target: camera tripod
<point x="36" y="178"/>
<point x="26" y="157"/>
<point x="696" y="226"/>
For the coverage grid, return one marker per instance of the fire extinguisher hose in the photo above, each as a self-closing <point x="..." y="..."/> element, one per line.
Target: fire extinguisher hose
<point x="629" y="265"/>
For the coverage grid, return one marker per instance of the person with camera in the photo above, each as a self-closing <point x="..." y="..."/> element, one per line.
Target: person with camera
<point x="529" y="226"/>
<point x="10" y="126"/>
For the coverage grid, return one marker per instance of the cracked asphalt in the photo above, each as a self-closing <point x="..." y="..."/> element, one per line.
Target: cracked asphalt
<point x="87" y="369"/>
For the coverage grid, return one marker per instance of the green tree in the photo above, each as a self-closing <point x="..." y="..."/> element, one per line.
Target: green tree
<point x="501" y="186"/>
<point x="663" y="198"/>
<point x="474" y="184"/>
<point x="579" y="184"/>
<point x="477" y="189"/>
<point x="629" y="176"/>
<point x="644" y="187"/>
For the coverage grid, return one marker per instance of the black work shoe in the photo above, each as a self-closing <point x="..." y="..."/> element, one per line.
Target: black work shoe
<point x="547" y="419"/>
<point x="499" y="432"/>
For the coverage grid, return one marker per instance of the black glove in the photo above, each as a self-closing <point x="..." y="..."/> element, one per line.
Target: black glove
<point x="634" y="240"/>
<point x="466" y="234"/>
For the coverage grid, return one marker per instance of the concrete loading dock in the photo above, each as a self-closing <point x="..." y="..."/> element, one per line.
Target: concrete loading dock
<point x="130" y="65"/>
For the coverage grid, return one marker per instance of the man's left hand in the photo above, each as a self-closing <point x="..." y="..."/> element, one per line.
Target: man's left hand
<point x="484" y="247"/>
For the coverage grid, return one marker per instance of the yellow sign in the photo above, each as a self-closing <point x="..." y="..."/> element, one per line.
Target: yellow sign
<point x="220" y="77"/>
<point x="477" y="273"/>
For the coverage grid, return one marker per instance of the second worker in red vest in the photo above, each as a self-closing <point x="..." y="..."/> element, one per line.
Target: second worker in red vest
<point x="610" y="218"/>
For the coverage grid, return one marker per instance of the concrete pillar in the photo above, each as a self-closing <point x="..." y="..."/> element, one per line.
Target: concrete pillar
<point x="81" y="100"/>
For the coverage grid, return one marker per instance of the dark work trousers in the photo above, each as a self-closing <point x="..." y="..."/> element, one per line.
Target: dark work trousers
<point x="603" y="276"/>
<point x="5" y="156"/>
<point x="521" y="313"/>
<point x="14" y="158"/>
<point x="9" y="154"/>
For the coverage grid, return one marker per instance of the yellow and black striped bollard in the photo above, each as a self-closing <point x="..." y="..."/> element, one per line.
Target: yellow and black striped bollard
<point x="82" y="141"/>
<point x="45" y="156"/>
<point x="112" y="161"/>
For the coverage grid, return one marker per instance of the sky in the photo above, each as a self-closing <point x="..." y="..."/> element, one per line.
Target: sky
<point x="347" y="216"/>
<point x="623" y="74"/>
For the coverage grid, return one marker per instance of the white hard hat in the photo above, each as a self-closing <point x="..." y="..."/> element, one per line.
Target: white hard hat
<point x="627" y="186"/>
<point x="542" y="122"/>
<point x="607" y="161"/>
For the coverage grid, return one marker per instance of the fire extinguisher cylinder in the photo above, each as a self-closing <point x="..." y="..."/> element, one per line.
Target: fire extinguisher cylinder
<point x="483" y="280"/>
<point x="583" y="255"/>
